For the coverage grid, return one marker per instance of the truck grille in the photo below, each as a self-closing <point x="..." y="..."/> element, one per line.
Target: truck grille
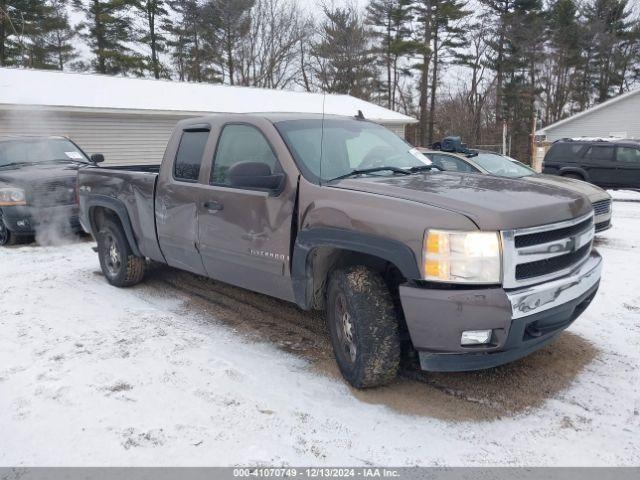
<point x="53" y="192"/>
<point x="601" y="207"/>
<point x="534" y="255"/>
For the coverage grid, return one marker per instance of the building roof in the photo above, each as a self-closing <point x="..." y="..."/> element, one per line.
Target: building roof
<point x="81" y="91"/>
<point x="589" y="111"/>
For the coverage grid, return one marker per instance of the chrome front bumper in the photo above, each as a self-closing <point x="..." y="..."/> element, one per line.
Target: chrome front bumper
<point x="538" y="298"/>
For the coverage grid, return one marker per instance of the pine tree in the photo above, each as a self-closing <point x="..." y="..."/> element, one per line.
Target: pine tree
<point x="391" y="22"/>
<point x="608" y="27"/>
<point x="343" y="60"/>
<point x="153" y="14"/>
<point x="447" y="39"/>
<point x="108" y="30"/>
<point x="192" y="55"/>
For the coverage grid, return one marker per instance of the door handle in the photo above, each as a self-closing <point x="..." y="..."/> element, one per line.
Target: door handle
<point x="212" y="205"/>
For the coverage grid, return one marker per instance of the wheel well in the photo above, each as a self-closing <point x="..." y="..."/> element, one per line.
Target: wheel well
<point x="99" y="215"/>
<point x="574" y="173"/>
<point x="325" y="260"/>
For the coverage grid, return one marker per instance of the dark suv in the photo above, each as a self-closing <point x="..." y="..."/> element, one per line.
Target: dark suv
<point x="606" y="163"/>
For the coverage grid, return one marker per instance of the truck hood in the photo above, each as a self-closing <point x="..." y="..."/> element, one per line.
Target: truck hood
<point x="492" y="203"/>
<point x="593" y="192"/>
<point x="26" y="175"/>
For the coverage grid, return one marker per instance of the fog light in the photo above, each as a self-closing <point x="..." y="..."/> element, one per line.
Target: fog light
<point x="22" y="223"/>
<point x="475" y="337"/>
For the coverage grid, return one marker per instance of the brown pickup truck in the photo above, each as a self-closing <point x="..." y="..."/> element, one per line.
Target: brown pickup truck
<point x="341" y="215"/>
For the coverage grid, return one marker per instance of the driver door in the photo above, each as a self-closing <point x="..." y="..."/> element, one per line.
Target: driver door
<point x="245" y="233"/>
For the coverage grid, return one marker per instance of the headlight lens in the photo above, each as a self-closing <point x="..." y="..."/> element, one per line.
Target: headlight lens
<point x="462" y="257"/>
<point x="12" y="196"/>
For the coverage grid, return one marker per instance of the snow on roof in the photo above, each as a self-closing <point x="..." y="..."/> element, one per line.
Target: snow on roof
<point x="78" y="91"/>
<point x="588" y="111"/>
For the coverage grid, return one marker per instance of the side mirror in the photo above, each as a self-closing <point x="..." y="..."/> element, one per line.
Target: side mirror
<point x="255" y="175"/>
<point x="97" y="158"/>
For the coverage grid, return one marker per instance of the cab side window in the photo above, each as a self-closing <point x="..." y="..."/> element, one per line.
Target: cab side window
<point x="238" y="144"/>
<point x="630" y="155"/>
<point x="186" y="167"/>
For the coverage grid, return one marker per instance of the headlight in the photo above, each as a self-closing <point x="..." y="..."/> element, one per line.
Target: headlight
<point x="12" y="196"/>
<point x="461" y="257"/>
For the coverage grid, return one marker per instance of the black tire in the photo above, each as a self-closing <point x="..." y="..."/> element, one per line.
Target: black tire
<point x="364" y="327"/>
<point x="7" y="237"/>
<point x="575" y="176"/>
<point x="118" y="263"/>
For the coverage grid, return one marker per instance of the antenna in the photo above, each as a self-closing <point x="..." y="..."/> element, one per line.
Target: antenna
<point x="324" y="96"/>
<point x="359" y="115"/>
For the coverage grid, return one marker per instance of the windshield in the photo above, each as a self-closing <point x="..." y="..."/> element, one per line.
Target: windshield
<point x="347" y="145"/>
<point x="503" y="166"/>
<point x="36" y="150"/>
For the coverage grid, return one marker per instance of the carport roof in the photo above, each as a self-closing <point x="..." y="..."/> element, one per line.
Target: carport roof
<point x="81" y="91"/>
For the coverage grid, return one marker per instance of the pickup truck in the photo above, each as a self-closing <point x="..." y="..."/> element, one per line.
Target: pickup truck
<point x="339" y="214"/>
<point x="38" y="186"/>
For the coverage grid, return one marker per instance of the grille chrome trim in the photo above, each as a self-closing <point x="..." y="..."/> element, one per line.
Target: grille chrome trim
<point x="532" y="300"/>
<point x="513" y="256"/>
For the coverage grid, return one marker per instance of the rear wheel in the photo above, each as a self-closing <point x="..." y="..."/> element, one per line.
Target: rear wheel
<point x="7" y="237"/>
<point x="119" y="265"/>
<point x="363" y="326"/>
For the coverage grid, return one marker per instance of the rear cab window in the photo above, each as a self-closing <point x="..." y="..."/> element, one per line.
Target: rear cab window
<point x="186" y="167"/>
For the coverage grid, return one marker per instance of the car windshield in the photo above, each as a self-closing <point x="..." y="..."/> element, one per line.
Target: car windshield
<point x="501" y="165"/>
<point x="347" y="145"/>
<point x="37" y="150"/>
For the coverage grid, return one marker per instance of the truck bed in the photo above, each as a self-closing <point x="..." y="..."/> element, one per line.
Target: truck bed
<point x="131" y="187"/>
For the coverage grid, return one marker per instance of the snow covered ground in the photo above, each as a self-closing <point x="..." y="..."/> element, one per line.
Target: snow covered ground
<point x="169" y="373"/>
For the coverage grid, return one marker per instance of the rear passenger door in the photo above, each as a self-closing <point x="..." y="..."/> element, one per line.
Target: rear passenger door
<point x="600" y="164"/>
<point x="628" y="164"/>
<point x="177" y="198"/>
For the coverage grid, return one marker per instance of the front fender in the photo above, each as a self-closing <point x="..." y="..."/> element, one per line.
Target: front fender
<point x="392" y="251"/>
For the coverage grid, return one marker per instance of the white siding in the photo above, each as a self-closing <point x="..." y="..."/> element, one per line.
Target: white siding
<point x="122" y="138"/>
<point x="618" y="119"/>
<point x="397" y="129"/>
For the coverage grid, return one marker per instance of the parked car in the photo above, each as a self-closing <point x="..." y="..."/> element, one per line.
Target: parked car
<point x="38" y="185"/>
<point x="495" y="164"/>
<point x="341" y="215"/>
<point x="606" y="163"/>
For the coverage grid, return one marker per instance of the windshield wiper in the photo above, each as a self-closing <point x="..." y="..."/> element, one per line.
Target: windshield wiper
<point x="423" y="168"/>
<point x="365" y="171"/>
<point x="63" y="160"/>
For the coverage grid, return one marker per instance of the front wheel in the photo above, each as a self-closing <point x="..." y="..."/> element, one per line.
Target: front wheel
<point x="119" y="265"/>
<point x="364" y="327"/>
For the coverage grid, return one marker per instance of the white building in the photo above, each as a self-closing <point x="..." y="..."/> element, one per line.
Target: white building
<point x="130" y="120"/>
<point x="618" y="117"/>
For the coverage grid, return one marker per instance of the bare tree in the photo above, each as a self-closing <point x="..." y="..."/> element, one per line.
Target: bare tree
<point x="268" y="55"/>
